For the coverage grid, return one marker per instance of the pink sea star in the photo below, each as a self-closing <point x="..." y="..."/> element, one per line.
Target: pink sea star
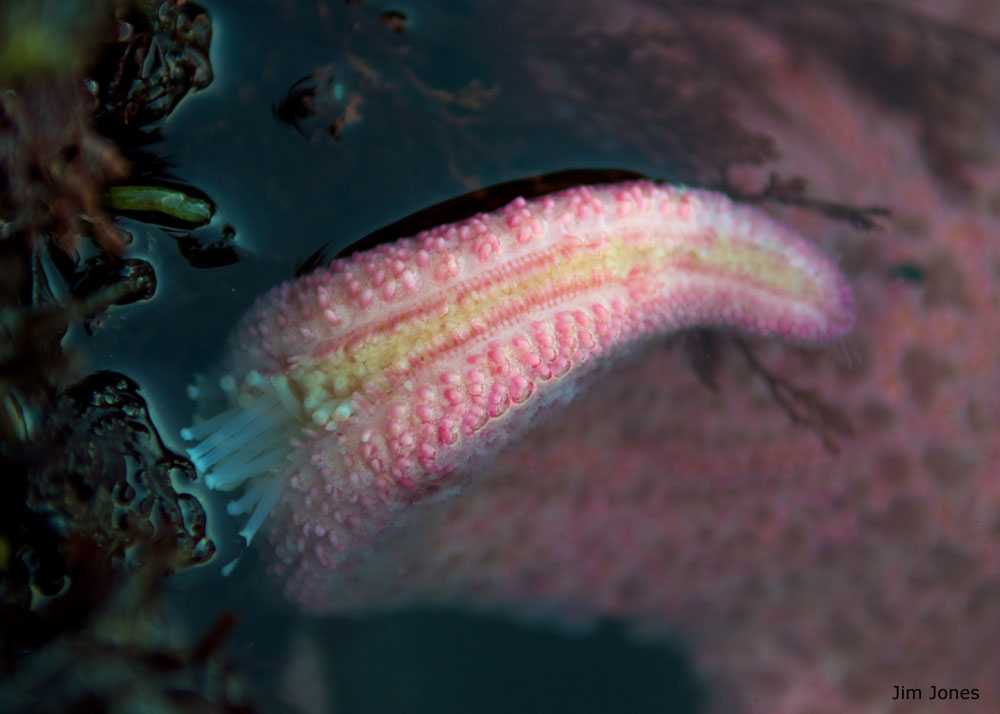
<point x="389" y="379"/>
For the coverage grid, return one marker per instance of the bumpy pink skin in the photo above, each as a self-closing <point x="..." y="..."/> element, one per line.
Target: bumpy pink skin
<point x="442" y="412"/>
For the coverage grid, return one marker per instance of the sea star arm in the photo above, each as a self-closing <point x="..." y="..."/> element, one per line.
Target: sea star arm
<point x="392" y="377"/>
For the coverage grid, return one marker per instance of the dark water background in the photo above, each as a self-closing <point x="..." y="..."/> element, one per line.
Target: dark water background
<point x="288" y="193"/>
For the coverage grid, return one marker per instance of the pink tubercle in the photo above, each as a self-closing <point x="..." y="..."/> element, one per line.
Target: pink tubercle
<point x="399" y="372"/>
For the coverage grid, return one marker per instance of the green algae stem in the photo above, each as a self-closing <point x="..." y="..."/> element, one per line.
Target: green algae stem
<point x="171" y="202"/>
